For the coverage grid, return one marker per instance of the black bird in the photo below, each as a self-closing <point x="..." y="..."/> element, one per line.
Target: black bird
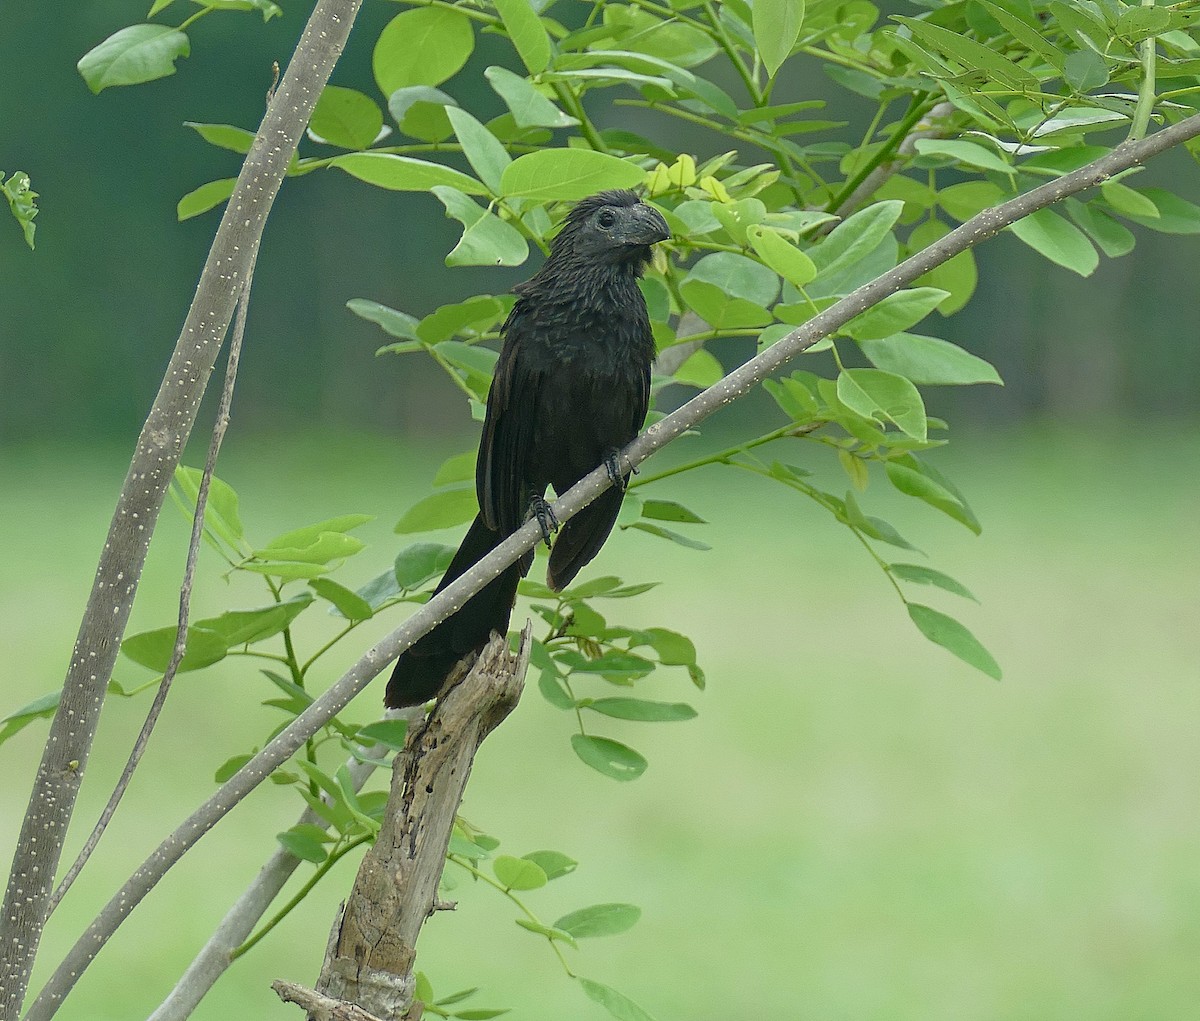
<point x="571" y="388"/>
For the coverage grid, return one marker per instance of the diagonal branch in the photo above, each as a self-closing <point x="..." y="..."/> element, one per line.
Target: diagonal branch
<point x="155" y="458"/>
<point x="739" y="382"/>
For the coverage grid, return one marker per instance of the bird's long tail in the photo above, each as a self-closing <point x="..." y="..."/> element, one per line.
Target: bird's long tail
<point x="420" y="671"/>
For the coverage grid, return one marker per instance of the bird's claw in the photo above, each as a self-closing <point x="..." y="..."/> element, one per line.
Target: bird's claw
<point x="547" y="522"/>
<point x="612" y="465"/>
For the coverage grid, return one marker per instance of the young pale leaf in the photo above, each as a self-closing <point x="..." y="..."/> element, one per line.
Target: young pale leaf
<point x="220" y="509"/>
<point x="880" y="395"/>
<point x="921" y="575"/>
<point x="613" y="759"/>
<point x="446" y="509"/>
<point x="928" y="361"/>
<point x="783" y="257"/>
<point x="566" y="174"/>
<point x="404" y="173"/>
<point x="486" y="239"/>
<point x="896" y="312"/>
<point x="953" y="636"/>
<point x="554" y="863"/>
<point x="776" y="28"/>
<point x="139" y="53"/>
<point x="530" y="109"/>
<point x="484" y="151"/>
<point x="204" y="198"/>
<point x="1058" y="240"/>
<point x="518" y="873"/>
<point x="346" y="118"/>
<point x="617" y="1004"/>
<point x="424" y="46"/>
<point x="527" y="33"/>
<point x="600" y="920"/>
<point x="641" y="709"/>
<point x="349" y="604"/>
<point x="153" y="649"/>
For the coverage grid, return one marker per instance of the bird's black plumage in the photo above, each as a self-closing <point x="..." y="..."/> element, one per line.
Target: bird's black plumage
<point x="571" y="387"/>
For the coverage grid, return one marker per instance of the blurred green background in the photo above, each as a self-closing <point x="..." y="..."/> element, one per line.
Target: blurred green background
<point x="856" y="826"/>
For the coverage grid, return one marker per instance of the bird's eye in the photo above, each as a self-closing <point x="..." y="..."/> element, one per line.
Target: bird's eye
<point x="606" y="218"/>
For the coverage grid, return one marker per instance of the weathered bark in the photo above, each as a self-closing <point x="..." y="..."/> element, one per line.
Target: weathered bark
<point x="368" y="964"/>
<point x="155" y="458"/>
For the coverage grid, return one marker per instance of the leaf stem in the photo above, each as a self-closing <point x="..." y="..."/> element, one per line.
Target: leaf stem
<point x="1146" y="96"/>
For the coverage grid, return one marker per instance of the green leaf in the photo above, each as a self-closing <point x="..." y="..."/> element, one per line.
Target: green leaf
<point x="600" y="920"/>
<point x="486" y="239"/>
<point x="675" y="537"/>
<point x="527" y="33"/>
<point x="445" y="509"/>
<point x="530" y="109"/>
<point x="21" y="202"/>
<point x="484" y="151"/>
<point x="390" y="733"/>
<point x="404" y="173"/>
<point x="895" y="313"/>
<point x="1114" y="239"/>
<point x="302" y="844"/>
<point x="1033" y="38"/>
<point x="1085" y="70"/>
<point x="953" y="636"/>
<point x="855" y="237"/>
<point x="139" y="53"/>
<point x="921" y="575"/>
<point x="613" y="759"/>
<point x="472" y="316"/>
<point x="269" y="10"/>
<point x="349" y="604"/>
<point x="784" y="258"/>
<point x="673" y="648"/>
<point x="230" y="766"/>
<point x="424" y="46"/>
<point x="545" y="930"/>
<point x="220" y="510"/>
<point x="153" y="649"/>
<point x="669" y="510"/>
<point x="1058" y="240"/>
<point x="1125" y="200"/>
<point x="518" y="873"/>
<point x="881" y="395"/>
<point x="971" y="54"/>
<point x="641" y="709"/>
<point x="617" y="1004"/>
<point x="551" y="687"/>
<point x="967" y="153"/>
<point x="223" y="136"/>
<point x="566" y="174"/>
<point x="1175" y="215"/>
<point x="310" y="535"/>
<point x="910" y="479"/>
<point x="737" y="276"/>
<point x="398" y="324"/>
<point x="346" y="118"/>
<point x="962" y="201"/>
<point x="554" y="864"/>
<point x="720" y="311"/>
<point x="776" y="28"/>
<point x="42" y="707"/>
<point x="928" y="361"/>
<point x="700" y="369"/>
<point x="204" y="198"/>
<point x="458" y="468"/>
<point x="244" y="627"/>
<point x="421" y="111"/>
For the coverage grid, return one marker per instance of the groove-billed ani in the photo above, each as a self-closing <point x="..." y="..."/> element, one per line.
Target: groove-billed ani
<point x="571" y="388"/>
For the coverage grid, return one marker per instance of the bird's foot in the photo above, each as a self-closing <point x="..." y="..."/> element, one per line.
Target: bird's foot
<point x="612" y="465"/>
<point x="547" y="522"/>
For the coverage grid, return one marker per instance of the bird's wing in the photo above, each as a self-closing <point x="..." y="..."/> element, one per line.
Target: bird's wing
<point x="508" y="436"/>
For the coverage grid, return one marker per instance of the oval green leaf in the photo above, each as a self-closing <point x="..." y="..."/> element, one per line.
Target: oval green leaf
<point x="446" y="509"/>
<point x="953" y="636"/>
<point x="346" y="118"/>
<point x="613" y="759"/>
<point x="518" y="873"/>
<point x="138" y="53"/>
<point x="424" y="46"/>
<point x="600" y="920"/>
<point x="880" y="395"/>
<point x="566" y="174"/>
<point x="404" y="173"/>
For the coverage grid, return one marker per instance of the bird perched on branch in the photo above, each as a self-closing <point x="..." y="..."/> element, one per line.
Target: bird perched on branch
<point x="571" y="388"/>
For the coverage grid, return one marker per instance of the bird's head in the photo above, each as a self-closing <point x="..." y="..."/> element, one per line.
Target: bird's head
<point x="611" y="227"/>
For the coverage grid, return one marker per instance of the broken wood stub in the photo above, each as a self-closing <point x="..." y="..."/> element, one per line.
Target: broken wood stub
<point x="369" y="961"/>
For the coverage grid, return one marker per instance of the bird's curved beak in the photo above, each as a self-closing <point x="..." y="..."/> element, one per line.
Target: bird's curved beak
<point x="645" y="227"/>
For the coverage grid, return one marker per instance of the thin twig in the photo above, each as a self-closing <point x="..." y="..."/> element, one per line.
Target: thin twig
<point x="185" y="598"/>
<point x="739" y="382"/>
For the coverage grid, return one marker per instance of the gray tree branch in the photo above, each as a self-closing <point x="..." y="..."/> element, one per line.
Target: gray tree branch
<point x="739" y="382"/>
<point x="157" y="453"/>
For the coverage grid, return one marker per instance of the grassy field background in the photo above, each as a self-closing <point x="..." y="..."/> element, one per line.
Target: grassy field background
<point x="857" y="826"/>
